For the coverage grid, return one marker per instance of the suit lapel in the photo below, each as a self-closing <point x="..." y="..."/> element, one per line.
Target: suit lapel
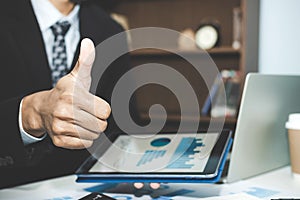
<point x="29" y="40"/>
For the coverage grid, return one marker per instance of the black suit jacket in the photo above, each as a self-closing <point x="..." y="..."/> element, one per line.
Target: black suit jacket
<point x="24" y="69"/>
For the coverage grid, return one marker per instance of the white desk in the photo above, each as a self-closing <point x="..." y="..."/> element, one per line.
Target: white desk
<point x="275" y="184"/>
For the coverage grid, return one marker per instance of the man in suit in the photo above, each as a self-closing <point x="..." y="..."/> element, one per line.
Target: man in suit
<point x="40" y="136"/>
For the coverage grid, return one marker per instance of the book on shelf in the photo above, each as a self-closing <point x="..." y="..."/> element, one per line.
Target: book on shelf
<point x="223" y="101"/>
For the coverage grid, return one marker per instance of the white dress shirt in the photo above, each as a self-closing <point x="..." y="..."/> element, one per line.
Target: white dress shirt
<point x="47" y="15"/>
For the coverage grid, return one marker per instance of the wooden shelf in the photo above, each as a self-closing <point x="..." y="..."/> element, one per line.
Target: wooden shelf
<point x="157" y="52"/>
<point x="179" y="15"/>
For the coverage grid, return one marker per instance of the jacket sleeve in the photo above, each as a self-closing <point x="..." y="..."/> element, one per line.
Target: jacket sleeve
<point x="13" y="152"/>
<point x="12" y="149"/>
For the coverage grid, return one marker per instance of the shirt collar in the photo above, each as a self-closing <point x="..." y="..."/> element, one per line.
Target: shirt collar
<point x="47" y="14"/>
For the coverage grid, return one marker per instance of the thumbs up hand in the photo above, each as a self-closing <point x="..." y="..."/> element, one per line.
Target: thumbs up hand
<point x="71" y="115"/>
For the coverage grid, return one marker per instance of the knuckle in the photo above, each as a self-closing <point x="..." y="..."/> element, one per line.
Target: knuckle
<point x="64" y="141"/>
<point x="57" y="128"/>
<point x="67" y="97"/>
<point x="57" y="141"/>
<point x="56" y="113"/>
<point x="62" y="112"/>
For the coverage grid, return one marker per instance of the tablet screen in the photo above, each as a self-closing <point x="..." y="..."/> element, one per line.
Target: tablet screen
<point x="165" y="153"/>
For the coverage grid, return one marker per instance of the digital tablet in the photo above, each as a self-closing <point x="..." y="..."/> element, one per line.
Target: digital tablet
<point x="163" y="157"/>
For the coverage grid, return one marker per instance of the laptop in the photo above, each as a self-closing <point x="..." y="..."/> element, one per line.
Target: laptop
<point x="260" y="140"/>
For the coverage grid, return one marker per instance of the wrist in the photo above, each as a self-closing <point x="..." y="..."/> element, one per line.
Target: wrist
<point x="31" y="114"/>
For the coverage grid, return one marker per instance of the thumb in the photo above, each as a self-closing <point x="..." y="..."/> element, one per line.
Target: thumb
<point x="83" y="67"/>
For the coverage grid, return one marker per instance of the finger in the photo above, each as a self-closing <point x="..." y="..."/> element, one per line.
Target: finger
<point x="155" y="186"/>
<point x="101" y="108"/>
<point x="83" y="67"/>
<point x="93" y="105"/>
<point x="90" y="122"/>
<point x="65" y="128"/>
<point x="86" y="134"/>
<point x="66" y="116"/>
<point x="138" y="185"/>
<point x="70" y="142"/>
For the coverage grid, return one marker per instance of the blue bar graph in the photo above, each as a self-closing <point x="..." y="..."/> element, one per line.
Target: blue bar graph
<point x="150" y="155"/>
<point x="184" y="153"/>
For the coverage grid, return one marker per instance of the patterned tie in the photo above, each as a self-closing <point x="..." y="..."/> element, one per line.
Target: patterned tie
<point x="59" y="55"/>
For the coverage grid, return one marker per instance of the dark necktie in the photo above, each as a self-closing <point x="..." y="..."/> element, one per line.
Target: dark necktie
<point x="59" y="66"/>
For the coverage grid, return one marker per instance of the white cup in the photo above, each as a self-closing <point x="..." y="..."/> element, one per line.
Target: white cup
<point x="293" y="127"/>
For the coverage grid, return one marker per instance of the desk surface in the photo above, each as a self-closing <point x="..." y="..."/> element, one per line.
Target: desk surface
<point x="275" y="184"/>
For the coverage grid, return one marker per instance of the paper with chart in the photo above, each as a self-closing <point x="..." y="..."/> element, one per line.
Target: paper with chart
<point x="158" y="153"/>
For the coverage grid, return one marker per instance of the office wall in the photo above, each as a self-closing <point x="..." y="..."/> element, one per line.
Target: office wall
<point x="279" y="42"/>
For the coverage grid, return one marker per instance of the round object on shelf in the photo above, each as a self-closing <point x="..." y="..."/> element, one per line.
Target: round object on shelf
<point x="207" y="36"/>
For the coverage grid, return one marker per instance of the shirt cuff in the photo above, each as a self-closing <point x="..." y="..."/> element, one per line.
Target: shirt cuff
<point x="27" y="138"/>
